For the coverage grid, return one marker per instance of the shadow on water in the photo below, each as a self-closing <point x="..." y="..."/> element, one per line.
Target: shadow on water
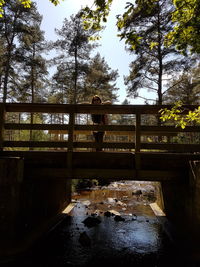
<point x="121" y="230"/>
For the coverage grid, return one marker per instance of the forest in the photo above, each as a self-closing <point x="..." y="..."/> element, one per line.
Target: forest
<point x="70" y="70"/>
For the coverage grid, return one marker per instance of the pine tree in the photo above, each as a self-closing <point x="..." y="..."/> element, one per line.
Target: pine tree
<point x="185" y="88"/>
<point x="100" y="80"/>
<point x="73" y="50"/>
<point x="154" y="62"/>
<point x="34" y="76"/>
<point x="14" y="24"/>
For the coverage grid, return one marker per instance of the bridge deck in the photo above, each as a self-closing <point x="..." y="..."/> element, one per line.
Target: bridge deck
<point x="108" y="165"/>
<point x="143" y="134"/>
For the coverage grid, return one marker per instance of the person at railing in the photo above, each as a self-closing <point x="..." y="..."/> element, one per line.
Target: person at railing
<point x="98" y="119"/>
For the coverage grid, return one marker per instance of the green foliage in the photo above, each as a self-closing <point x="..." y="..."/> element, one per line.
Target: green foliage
<point x="2" y="2"/>
<point x="186" y="16"/>
<point x="180" y="116"/>
<point x="55" y="2"/>
<point x="21" y="38"/>
<point x="144" y="28"/>
<point x="25" y="3"/>
<point x="185" y="89"/>
<point x="94" y="17"/>
<point x="185" y="34"/>
<point x="73" y="55"/>
<point x="100" y="80"/>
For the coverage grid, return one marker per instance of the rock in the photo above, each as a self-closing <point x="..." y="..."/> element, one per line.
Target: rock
<point x="107" y="214"/>
<point x="95" y="213"/>
<point x="114" y="212"/>
<point x="137" y="192"/>
<point x="86" y="202"/>
<point x="134" y="217"/>
<point x="119" y="218"/>
<point x="84" y="239"/>
<point x="91" y="222"/>
<point x="111" y="200"/>
<point x="121" y="204"/>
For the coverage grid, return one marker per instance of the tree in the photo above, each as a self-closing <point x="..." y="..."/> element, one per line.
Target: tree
<point x="34" y="65"/>
<point x="73" y="49"/>
<point x="185" y="33"/>
<point x="16" y="22"/>
<point x="185" y="88"/>
<point x="153" y="62"/>
<point x="100" y="80"/>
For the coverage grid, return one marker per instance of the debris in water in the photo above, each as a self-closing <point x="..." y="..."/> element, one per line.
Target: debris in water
<point x="91" y="221"/>
<point x="107" y="214"/>
<point x="119" y="218"/>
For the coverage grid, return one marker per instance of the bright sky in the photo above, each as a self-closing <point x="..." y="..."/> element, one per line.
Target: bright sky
<point x="112" y="49"/>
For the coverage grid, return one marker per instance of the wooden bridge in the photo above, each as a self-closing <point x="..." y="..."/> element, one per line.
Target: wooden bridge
<point x="44" y="146"/>
<point x="148" y="151"/>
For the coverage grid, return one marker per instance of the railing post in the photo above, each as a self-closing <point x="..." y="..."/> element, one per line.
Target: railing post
<point x="71" y="131"/>
<point x="2" y="121"/>
<point x="137" y="140"/>
<point x="70" y="143"/>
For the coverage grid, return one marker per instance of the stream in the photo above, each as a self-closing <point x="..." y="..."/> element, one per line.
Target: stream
<point x="114" y="225"/>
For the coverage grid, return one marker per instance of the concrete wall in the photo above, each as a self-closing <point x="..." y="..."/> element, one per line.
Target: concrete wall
<point x="193" y="207"/>
<point x="29" y="207"/>
<point x="182" y="203"/>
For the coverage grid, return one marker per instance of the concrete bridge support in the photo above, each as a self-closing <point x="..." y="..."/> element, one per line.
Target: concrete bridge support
<point x="29" y="207"/>
<point x="182" y="204"/>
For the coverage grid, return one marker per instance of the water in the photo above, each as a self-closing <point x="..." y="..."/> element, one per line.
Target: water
<point x="138" y="240"/>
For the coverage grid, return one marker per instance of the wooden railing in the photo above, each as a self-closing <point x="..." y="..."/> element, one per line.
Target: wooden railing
<point x="136" y="131"/>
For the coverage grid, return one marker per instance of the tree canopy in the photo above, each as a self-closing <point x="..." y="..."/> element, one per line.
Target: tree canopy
<point x="186" y="17"/>
<point x="154" y="63"/>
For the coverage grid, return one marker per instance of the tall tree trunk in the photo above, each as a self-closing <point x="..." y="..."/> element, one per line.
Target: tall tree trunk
<point x="160" y="73"/>
<point x="32" y="100"/>
<point x="160" y="60"/>
<point x="75" y="77"/>
<point x="6" y="75"/>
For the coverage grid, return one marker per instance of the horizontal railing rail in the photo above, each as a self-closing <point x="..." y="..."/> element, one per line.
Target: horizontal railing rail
<point x="135" y="132"/>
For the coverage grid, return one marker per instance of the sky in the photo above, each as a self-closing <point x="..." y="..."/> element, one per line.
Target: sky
<point x="111" y="48"/>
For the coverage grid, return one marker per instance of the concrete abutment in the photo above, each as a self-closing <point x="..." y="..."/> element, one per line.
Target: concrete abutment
<point x="29" y="206"/>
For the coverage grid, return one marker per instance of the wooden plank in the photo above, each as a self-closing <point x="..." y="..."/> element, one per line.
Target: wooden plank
<point x="120" y="174"/>
<point x="138" y="132"/>
<point x="27" y="126"/>
<point x="81" y="173"/>
<point x="122" y="145"/>
<point x="71" y="131"/>
<point x="168" y="129"/>
<point x="35" y="144"/>
<point x="2" y="121"/>
<point x="138" y="141"/>
<point x="70" y="144"/>
<point x="40" y="108"/>
<point x="172" y="147"/>
<point x="88" y="108"/>
<point x="61" y="154"/>
<point x="159" y="175"/>
<point x="116" y="129"/>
